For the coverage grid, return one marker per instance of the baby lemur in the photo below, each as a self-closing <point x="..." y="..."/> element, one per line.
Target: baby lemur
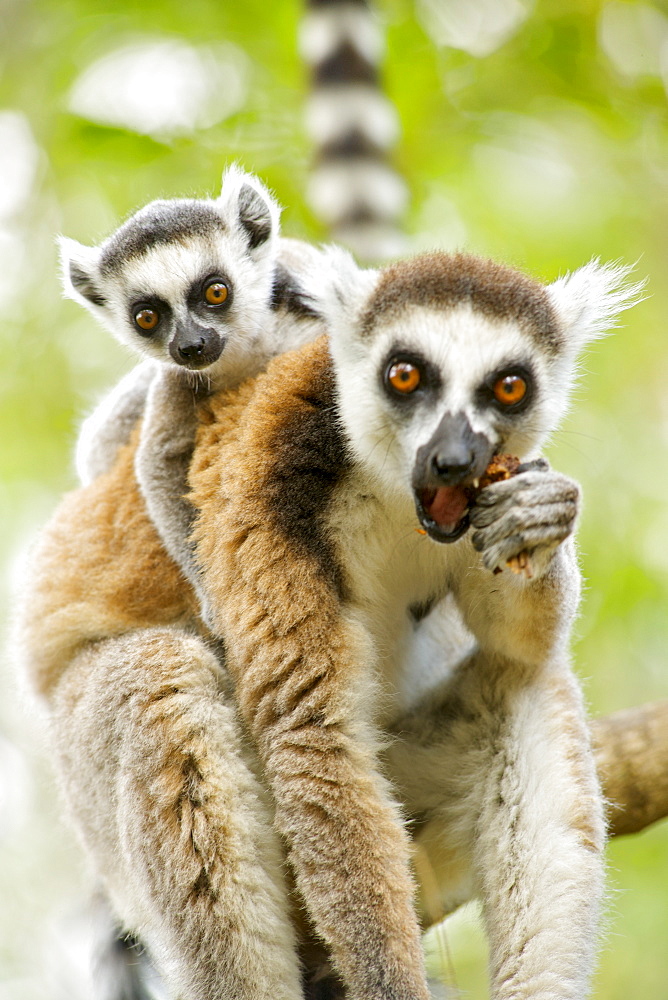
<point x="310" y="482"/>
<point x="206" y="291"/>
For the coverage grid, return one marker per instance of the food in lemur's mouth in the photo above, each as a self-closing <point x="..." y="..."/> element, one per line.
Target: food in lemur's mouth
<point x="503" y="467"/>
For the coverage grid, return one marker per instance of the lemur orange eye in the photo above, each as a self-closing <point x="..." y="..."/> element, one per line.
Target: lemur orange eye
<point x="147" y="319"/>
<point x="216" y="293"/>
<point x="404" y="377"/>
<point x="510" y="389"/>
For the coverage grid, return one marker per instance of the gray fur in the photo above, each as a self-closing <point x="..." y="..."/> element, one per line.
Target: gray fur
<point x="159" y="222"/>
<point x="161" y="465"/>
<point x="254" y="216"/>
<point x="134" y="717"/>
<point x="163" y="258"/>
<point x="269" y="308"/>
<point x="495" y="763"/>
<point x="109" y="426"/>
<point x="535" y="511"/>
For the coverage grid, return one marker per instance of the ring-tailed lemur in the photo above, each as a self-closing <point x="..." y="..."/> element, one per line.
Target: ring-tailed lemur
<point x="309" y="491"/>
<point x="206" y="291"/>
<point x="307" y="481"/>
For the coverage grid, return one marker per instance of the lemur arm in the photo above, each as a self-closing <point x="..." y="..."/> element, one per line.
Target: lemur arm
<point x="162" y="461"/>
<point x="630" y="746"/>
<point x="110" y="424"/>
<point x="301" y="666"/>
<point x="526" y="619"/>
<point x="537" y="843"/>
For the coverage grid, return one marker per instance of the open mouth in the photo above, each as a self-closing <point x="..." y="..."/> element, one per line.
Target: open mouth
<point x="443" y="511"/>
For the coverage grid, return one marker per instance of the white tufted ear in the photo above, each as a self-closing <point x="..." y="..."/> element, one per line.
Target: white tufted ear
<point x="247" y="206"/>
<point x="341" y="290"/>
<point x="589" y="301"/>
<point x="79" y="272"/>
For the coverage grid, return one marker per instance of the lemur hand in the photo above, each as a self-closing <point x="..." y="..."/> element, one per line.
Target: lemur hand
<point x="520" y="522"/>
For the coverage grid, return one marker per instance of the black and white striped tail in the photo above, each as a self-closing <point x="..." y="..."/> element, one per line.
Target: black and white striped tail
<point x="354" y="190"/>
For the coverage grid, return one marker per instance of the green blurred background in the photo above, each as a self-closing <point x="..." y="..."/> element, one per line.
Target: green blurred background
<point x="532" y="132"/>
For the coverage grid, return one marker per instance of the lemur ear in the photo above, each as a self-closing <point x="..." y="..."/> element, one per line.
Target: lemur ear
<point x="341" y="290"/>
<point x="246" y="204"/>
<point x="79" y="272"/>
<point x="588" y="301"/>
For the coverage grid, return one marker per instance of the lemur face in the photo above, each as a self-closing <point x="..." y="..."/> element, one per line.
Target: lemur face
<point x="446" y="360"/>
<point x="175" y="301"/>
<point x="454" y="388"/>
<point x="186" y="281"/>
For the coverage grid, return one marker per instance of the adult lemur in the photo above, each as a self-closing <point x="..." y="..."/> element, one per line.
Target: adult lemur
<point x="307" y="481"/>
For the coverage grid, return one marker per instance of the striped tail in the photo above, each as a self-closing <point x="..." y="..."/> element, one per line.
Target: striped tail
<point x="354" y="189"/>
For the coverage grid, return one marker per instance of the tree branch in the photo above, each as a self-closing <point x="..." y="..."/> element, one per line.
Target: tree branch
<point x="631" y="750"/>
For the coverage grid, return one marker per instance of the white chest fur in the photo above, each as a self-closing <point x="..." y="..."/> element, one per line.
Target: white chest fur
<point x="393" y="573"/>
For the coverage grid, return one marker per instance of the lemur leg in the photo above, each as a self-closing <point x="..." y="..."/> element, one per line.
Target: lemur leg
<point x="303" y="700"/>
<point x="501" y="777"/>
<point x="110" y="424"/>
<point x="160" y="785"/>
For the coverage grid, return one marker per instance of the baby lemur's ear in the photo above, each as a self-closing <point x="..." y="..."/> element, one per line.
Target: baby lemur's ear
<point x="246" y="205"/>
<point x="588" y="301"/>
<point x="79" y="272"/>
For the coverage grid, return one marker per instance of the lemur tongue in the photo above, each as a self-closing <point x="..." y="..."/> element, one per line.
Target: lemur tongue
<point x="446" y="505"/>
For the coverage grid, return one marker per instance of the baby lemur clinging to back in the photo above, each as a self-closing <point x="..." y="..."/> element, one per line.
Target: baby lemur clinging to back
<point x="206" y="291"/>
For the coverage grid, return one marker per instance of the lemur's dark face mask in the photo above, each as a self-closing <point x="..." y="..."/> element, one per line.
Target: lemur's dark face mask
<point x="445" y="477"/>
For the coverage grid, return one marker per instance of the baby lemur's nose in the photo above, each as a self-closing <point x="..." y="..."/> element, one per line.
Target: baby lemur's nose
<point x="190" y="352"/>
<point x="195" y="346"/>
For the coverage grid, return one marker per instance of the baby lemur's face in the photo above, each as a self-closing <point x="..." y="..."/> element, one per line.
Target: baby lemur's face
<point x="186" y="281"/>
<point x="181" y="300"/>
<point x="447" y="360"/>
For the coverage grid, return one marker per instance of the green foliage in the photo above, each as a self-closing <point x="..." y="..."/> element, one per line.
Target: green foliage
<point x="545" y="152"/>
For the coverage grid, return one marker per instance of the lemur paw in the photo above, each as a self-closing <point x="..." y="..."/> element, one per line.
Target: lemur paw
<point x="520" y="522"/>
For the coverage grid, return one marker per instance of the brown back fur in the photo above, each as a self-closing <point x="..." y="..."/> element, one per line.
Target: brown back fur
<point x="98" y="570"/>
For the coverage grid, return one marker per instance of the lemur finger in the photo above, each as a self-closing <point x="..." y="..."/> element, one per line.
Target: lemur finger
<point x="535" y="465"/>
<point x="532" y="487"/>
<point x="517" y="520"/>
<point x="526" y="537"/>
<point x="529" y="541"/>
<point x="482" y="517"/>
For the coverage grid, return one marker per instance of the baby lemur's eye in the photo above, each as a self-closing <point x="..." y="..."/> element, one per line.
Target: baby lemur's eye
<point x="216" y="293"/>
<point x="146" y="319"/>
<point x="510" y="389"/>
<point x="403" y="377"/>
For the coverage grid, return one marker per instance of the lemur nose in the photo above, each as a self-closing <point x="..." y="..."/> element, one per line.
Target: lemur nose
<point x="192" y="351"/>
<point x="453" y="464"/>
